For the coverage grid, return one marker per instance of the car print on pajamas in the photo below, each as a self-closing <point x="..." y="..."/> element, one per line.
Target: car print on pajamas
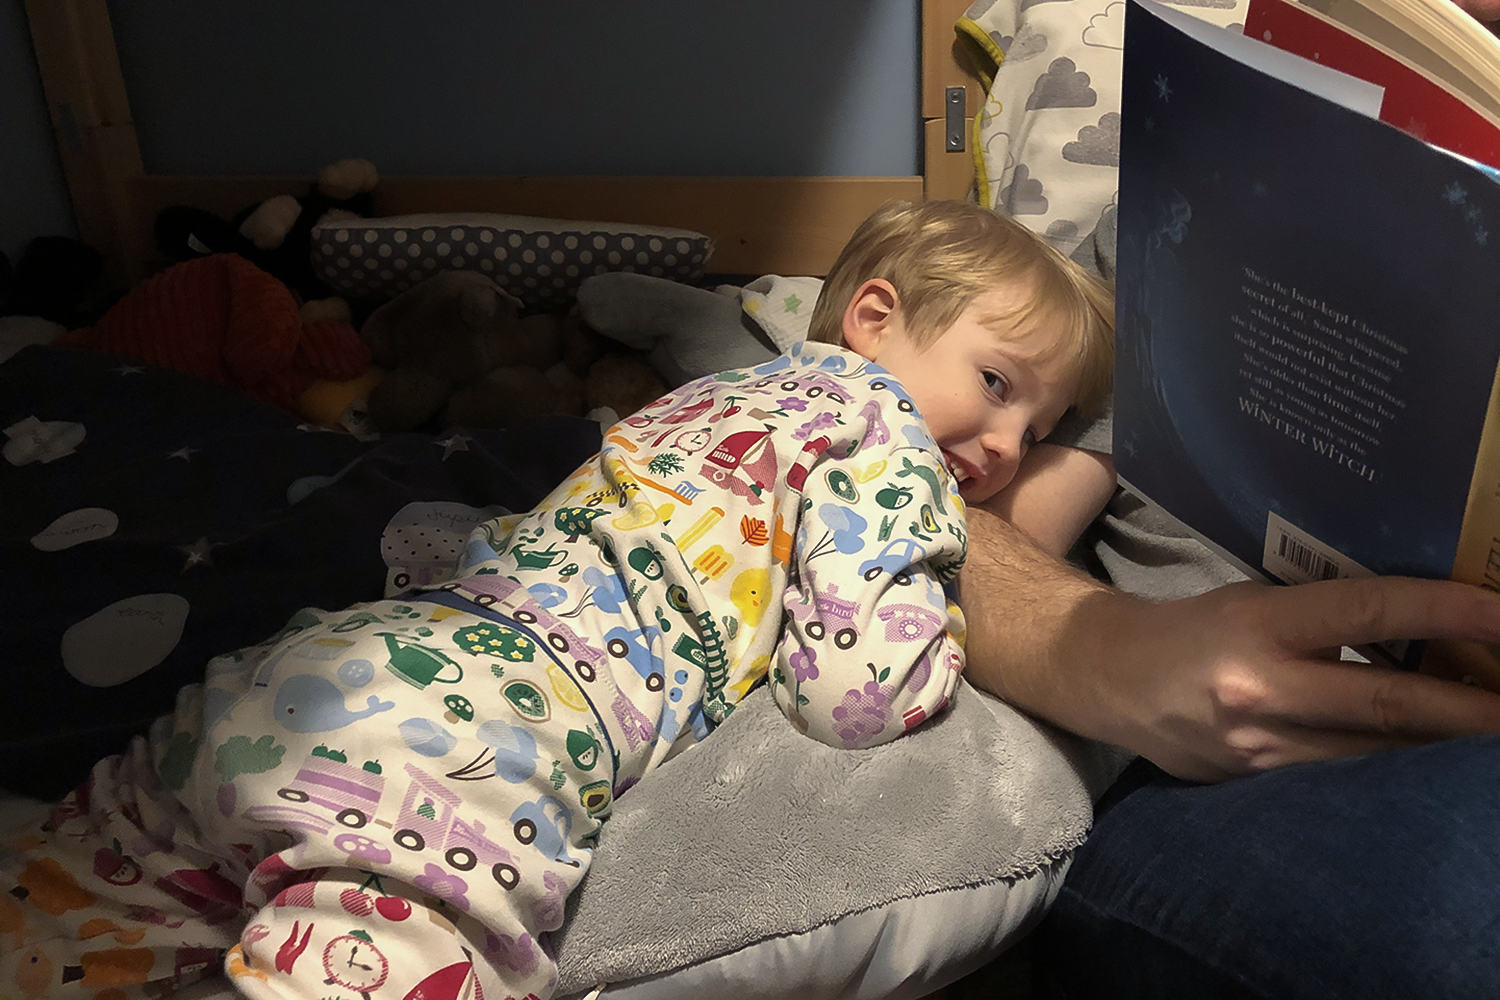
<point x="831" y="613"/>
<point x="894" y="559"/>
<point x="545" y="824"/>
<point x="427" y="821"/>
<point x="634" y="645"/>
<point x="814" y="384"/>
<point x="904" y="402"/>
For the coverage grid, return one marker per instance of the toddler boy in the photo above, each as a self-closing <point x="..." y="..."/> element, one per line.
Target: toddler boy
<point x="396" y="799"/>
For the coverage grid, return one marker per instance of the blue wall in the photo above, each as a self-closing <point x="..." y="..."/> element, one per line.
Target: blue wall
<point x="33" y="198"/>
<point x="777" y="87"/>
<point x="493" y="87"/>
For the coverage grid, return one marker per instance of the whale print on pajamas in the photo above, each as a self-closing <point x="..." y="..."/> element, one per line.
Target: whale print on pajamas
<point x="307" y="703"/>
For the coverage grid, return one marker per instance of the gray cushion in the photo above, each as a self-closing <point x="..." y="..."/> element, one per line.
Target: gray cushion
<point x="738" y="868"/>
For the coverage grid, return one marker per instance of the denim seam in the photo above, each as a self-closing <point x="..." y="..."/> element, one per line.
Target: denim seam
<point x="1176" y="946"/>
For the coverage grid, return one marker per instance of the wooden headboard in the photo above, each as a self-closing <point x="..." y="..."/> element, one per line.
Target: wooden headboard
<point x="760" y="225"/>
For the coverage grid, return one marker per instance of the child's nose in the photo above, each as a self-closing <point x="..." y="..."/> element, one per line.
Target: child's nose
<point x="1004" y="448"/>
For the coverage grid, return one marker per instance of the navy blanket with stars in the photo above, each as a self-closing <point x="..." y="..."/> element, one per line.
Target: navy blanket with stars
<point x="150" y="521"/>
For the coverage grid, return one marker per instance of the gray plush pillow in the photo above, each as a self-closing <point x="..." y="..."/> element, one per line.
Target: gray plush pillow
<point x="764" y="864"/>
<point x="539" y="261"/>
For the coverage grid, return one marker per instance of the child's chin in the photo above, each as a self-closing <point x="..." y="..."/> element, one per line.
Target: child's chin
<point x="973" y="492"/>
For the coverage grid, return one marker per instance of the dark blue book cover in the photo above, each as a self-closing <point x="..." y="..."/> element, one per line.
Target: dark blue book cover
<point x="1308" y="317"/>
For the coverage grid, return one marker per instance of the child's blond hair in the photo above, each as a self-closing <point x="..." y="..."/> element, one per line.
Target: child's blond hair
<point x="942" y="255"/>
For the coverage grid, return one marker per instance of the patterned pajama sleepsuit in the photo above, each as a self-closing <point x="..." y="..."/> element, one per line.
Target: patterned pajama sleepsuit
<point x="392" y="802"/>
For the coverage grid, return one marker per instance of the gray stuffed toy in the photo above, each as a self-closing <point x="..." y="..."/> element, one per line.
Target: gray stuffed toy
<point x="687" y="332"/>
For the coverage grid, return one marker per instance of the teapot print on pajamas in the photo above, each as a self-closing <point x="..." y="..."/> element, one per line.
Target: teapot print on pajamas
<point x="417" y="665"/>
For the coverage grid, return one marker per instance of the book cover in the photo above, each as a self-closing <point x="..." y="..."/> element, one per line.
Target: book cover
<point x="1414" y="102"/>
<point x="1308" y="317"/>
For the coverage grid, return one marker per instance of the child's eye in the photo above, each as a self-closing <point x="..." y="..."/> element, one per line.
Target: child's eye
<point x="996" y="383"/>
<point x="1028" y="439"/>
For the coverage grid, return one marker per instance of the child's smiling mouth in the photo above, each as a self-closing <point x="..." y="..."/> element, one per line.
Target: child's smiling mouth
<point x="960" y="469"/>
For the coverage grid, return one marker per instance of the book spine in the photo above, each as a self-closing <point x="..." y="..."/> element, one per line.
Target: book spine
<point x="1477" y="559"/>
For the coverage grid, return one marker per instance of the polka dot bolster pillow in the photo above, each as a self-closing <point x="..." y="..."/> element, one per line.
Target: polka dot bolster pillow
<point x="539" y="261"/>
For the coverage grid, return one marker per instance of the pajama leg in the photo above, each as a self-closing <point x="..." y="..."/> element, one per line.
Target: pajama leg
<point x="351" y="931"/>
<point x="117" y="893"/>
<point x="111" y="897"/>
<point x="436" y="778"/>
<point x="404" y="790"/>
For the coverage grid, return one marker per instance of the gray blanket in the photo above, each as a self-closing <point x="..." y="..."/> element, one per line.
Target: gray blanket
<point x="761" y="832"/>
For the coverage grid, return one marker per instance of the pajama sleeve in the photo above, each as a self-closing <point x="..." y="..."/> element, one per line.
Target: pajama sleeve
<point x="871" y="641"/>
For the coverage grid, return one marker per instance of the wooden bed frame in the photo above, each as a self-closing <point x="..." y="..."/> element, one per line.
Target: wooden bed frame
<point x="760" y="225"/>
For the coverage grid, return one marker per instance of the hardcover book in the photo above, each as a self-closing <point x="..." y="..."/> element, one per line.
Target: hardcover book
<point x="1434" y="34"/>
<point x="1415" y="100"/>
<point x="1308" y="308"/>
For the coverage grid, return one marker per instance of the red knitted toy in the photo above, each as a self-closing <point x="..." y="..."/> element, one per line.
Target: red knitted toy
<point x="224" y="319"/>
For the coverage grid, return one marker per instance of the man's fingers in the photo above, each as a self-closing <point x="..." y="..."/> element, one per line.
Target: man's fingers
<point x="1356" y="698"/>
<point x="1316" y="709"/>
<point x="1277" y="746"/>
<point x="1356" y="612"/>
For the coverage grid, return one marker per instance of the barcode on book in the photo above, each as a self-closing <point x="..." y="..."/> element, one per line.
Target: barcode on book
<point x="1312" y="564"/>
<point x="1294" y="556"/>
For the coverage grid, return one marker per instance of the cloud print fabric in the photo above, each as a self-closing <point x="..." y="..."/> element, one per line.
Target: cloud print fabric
<point x="1047" y="139"/>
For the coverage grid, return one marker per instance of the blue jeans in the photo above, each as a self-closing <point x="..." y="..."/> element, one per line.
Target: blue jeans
<point x="1372" y="877"/>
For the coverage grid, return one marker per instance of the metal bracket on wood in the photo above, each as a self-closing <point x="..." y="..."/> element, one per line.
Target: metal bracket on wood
<point x="953" y="108"/>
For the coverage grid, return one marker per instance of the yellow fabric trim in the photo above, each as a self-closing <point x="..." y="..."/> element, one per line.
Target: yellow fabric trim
<point x="983" y="51"/>
<point x="985" y="55"/>
<point x="981" y="174"/>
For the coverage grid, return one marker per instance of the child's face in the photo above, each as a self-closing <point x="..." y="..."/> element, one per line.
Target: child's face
<point x="986" y="396"/>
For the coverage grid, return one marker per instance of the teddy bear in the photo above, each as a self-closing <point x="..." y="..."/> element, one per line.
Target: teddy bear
<point x="456" y="351"/>
<point x="274" y="234"/>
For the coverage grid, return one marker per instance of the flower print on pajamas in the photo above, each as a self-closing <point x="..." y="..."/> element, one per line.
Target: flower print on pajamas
<point x="394" y="801"/>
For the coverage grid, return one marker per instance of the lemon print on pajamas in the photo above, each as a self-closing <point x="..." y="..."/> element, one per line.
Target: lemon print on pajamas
<point x="500" y="641"/>
<point x="566" y="689"/>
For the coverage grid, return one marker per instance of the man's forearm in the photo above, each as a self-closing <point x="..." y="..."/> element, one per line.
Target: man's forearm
<point x="1057" y="492"/>
<point x="1039" y="631"/>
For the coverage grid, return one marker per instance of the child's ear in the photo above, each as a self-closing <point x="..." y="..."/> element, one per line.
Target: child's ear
<point x="873" y="314"/>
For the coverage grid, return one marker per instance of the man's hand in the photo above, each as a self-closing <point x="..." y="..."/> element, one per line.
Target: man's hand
<point x="1228" y="683"/>
<point x="1246" y="678"/>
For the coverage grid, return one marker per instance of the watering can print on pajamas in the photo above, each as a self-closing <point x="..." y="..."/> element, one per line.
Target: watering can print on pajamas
<point x="418" y="665"/>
